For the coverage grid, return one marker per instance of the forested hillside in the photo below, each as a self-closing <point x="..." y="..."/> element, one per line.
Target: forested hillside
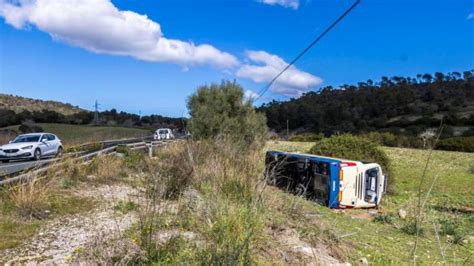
<point x="15" y="110"/>
<point x="19" y="104"/>
<point x="397" y="104"/>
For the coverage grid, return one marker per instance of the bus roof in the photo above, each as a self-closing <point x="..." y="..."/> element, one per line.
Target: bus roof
<point x="325" y="158"/>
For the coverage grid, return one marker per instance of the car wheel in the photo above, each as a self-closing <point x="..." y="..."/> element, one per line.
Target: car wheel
<point x="37" y="155"/>
<point x="59" y="153"/>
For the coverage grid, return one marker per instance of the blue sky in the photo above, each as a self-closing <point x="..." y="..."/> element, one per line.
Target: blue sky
<point x="82" y="50"/>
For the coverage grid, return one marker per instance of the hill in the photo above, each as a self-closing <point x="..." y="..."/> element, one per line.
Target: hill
<point x="399" y="105"/>
<point x="19" y="104"/>
<point x="15" y="110"/>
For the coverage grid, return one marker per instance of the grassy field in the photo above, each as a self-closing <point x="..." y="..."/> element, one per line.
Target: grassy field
<point x="449" y="209"/>
<point x="78" y="134"/>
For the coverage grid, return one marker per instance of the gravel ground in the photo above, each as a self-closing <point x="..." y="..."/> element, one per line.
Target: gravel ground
<point x="56" y="242"/>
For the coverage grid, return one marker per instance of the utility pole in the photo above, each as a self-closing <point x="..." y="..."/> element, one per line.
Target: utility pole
<point x="96" y="114"/>
<point x="287" y="129"/>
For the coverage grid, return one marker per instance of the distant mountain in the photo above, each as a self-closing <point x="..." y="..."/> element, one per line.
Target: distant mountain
<point x="19" y="104"/>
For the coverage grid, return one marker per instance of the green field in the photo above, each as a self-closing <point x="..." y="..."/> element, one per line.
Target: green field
<point x="79" y="134"/>
<point x="449" y="209"/>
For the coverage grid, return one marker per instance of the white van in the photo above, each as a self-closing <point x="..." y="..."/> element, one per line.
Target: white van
<point x="163" y="134"/>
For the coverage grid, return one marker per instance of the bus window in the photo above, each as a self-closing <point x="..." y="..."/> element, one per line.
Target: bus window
<point x="321" y="182"/>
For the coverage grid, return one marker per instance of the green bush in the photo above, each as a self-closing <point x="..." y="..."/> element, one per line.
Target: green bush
<point x="29" y="127"/>
<point x="125" y="206"/>
<point x="220" y="111"/>
<point x="452" y="228"/>
<point x="307" y="137"/>
<point x="385" y="218"/>
<point x="464" y="144"/>
<point x="356" y="148"/>
<point x="410" y="228"/>
<point x="382" y="138"/>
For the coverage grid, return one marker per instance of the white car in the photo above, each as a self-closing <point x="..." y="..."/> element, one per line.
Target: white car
<point x="31" y="146"/>
<point x="163" y="134"/>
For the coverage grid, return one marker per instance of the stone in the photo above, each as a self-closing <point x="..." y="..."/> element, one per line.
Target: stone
<point x="363" y="261"/>
<point x="402" y="213"/>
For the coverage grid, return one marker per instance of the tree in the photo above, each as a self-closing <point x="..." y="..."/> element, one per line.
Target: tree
<point x="221" y="111"/>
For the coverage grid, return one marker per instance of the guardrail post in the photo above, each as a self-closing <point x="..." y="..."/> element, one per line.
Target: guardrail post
<point x="150" y="150"/>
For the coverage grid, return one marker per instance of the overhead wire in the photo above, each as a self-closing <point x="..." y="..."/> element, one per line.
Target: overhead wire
<point x="314" y="42"/>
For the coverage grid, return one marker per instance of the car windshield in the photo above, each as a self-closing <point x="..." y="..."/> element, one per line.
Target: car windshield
<point x="163" y="131"/>
<point x="26" y="138"/>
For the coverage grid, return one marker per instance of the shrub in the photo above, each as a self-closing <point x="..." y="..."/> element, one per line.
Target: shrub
<point x="448" y="227"/>
<point x="105" y="169"/>
<point x="125" y="206"/>
<point x="220" y="111"/>
<point x="6" y="135"/>
<point x="410" y="228"/>
<point x="385" y="218"/>
<point x="409" y="141"/>
<point x="176" y="171"/>
<point x="307" y="137"/>
<point x="353" y="148"/>
<point x="30" y="199"/>
<point x="382" y="138"/>
<point x="452" y="228"/>
<point x="464" y="144"/>
<point x="29" y="127"/>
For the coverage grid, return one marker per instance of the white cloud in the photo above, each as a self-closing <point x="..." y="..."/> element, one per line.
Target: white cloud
<point x="470" y="16"/>
<point x="265" y="67"/>
<point x="286" y="3"/>
<point x="100" y="27"/>
<point x="251" y="95"/>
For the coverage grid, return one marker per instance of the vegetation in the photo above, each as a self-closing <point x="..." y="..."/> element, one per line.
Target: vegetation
<point x="24" y="208"/>
<point x="307" y="137"/>
<point x="221" y="111"/>
<point x="403" y="106"/>
<point x="465" y="144"/>
<point x="352" y="148"/>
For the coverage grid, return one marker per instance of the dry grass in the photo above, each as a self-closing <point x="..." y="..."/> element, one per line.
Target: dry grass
<point x="6" y="136"/>
<point x="206" y="203"/>
<point x="30" y="198"/>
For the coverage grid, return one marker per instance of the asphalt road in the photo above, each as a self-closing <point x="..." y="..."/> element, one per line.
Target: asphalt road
<point x="17" y="166"/>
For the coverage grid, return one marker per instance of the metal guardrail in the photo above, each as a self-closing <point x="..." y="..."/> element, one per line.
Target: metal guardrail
<point x="113" y="144"/>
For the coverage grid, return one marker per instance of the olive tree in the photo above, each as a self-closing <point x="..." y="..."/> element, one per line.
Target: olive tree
<point x="221" y="111"/>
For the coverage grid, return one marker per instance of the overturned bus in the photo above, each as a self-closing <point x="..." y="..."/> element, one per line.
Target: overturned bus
<point x="332" y="182"/>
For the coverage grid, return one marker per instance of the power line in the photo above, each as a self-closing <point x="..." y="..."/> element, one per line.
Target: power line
<point x="341" y="17"/>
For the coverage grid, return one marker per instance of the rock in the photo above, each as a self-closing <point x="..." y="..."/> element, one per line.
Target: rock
<point x="363" y="261"/>
<point x="402" y="213"/>
<point x="373" y="212"/>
